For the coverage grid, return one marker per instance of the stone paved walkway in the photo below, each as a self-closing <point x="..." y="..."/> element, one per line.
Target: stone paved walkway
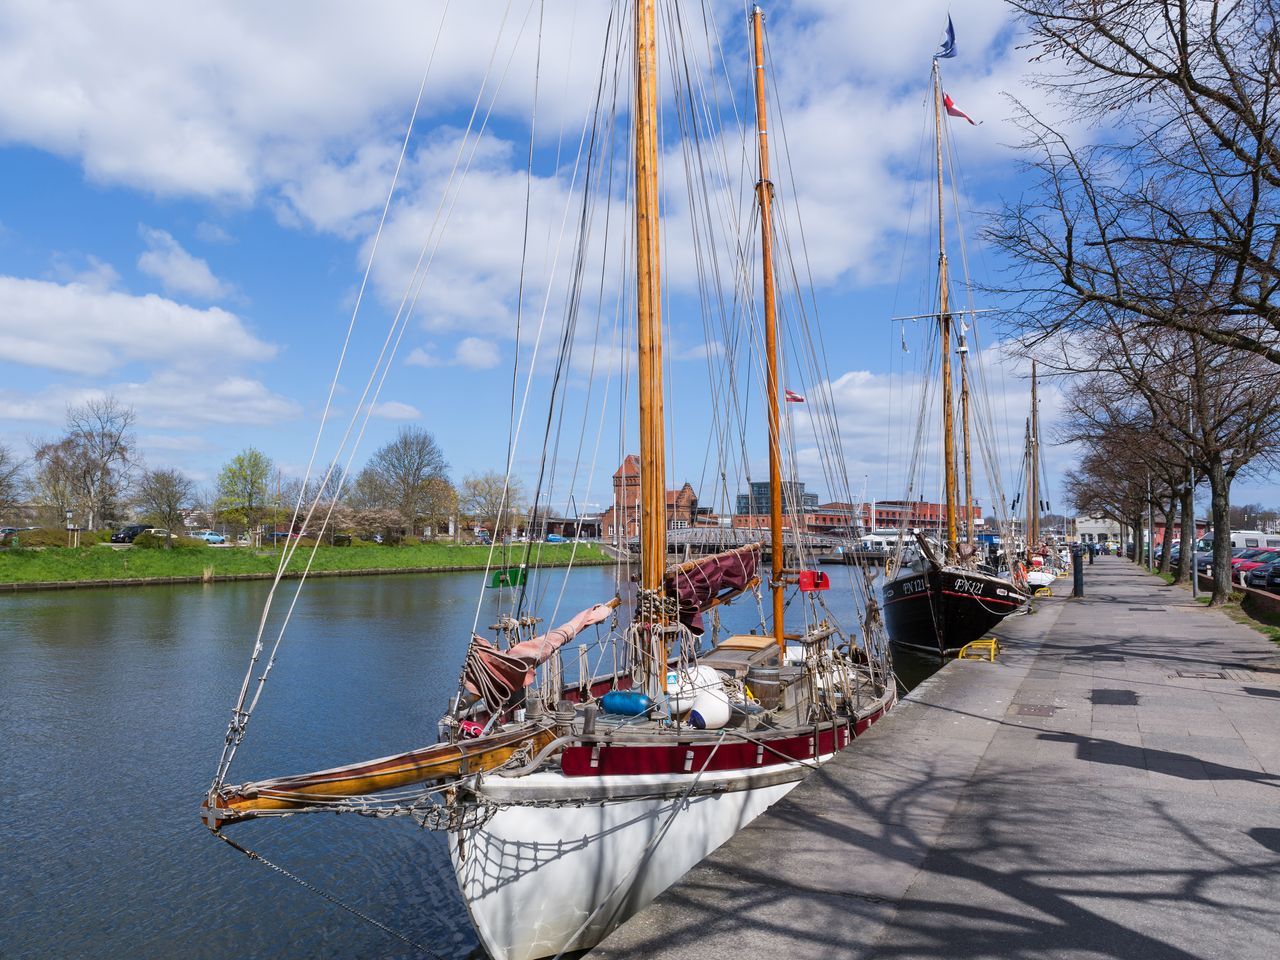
<point x="1109" y="788"/>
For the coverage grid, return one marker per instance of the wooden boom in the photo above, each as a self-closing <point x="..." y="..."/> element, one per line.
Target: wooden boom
<point x="440" y="761"/>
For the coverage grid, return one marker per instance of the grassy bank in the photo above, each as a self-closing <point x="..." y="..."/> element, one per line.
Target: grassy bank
<point x="27" y="566"/>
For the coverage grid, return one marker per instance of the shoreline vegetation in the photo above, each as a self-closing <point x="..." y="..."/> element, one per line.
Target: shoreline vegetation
<point x="100" y="565"/>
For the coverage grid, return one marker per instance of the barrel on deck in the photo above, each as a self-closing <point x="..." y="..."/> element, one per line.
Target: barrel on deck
<point x="766" y="685"/>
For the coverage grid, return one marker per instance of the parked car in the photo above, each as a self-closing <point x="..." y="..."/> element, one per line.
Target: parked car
<point x="128" y="534"/>
<point x="209" y="536"/>
<point x="1237" y="556"/>
<point x="1244" y="566"/>
<point x="554" y="538"/>
<point x="1258" y="576"/>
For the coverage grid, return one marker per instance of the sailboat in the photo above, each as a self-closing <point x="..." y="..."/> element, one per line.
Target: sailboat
<point x="569" y="804"/>
<point x="947" y="595"/>
<point x="1042" y="564"/>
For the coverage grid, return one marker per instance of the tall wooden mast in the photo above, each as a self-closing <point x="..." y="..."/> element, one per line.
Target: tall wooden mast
<point x="764" y="196"/>
<point x="653" y="493"/>
<point x="963" y="350"/>
<point x="1031" y="491"/>
<point x="1034" y="465"/>
<point x="944" y="334"/>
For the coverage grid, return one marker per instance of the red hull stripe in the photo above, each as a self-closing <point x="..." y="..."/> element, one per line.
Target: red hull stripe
<point x="905" y="596"/>
<point x="613" y="760"/>
<point x="972" y="596"/>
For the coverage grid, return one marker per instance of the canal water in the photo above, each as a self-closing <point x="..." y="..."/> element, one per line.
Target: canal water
<point x="115" y="702"/>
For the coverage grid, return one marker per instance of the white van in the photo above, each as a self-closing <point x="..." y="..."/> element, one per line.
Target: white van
<point x="1241" y="539"/>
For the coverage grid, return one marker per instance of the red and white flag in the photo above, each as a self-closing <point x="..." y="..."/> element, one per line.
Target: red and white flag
<point x="953" y="110"/>
<point x="793" y="397"/>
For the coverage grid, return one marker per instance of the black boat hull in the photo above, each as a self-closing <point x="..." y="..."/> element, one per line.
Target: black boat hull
<point x="937" y="612"/>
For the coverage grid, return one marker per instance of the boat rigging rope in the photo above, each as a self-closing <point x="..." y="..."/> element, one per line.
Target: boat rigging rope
<point x="240" y="714"/>
<point x="307" y="885"/>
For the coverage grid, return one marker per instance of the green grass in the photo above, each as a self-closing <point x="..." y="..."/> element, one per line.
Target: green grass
<point x="104" y="563"/>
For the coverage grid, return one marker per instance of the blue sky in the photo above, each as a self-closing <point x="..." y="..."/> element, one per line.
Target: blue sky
<point x="192" y="193"/>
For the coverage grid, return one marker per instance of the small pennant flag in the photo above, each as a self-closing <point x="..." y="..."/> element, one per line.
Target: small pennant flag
<point x="948" y="48"/>
<point x="793" y="397"/>
<point x="953" y="110"/>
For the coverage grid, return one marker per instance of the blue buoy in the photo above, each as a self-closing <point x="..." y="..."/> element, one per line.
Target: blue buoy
<point x="627" y="703"/>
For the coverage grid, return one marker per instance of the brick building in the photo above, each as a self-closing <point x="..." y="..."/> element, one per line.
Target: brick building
<point x="622" y="520"/>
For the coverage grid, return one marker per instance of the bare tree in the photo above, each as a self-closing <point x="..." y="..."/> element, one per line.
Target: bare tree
<point x="164" y="496"/>
<point x="12" y="480"/>
<point x="1154" y="398"/>
<point x="400" y="474"/>
<point x="1172" y="218"/>
<point x="90" y="468"/>
<point x="53" y="481"/>
<point x="489" y="499"/>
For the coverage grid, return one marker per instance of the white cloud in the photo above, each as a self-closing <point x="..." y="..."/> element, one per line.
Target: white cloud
<point x="175" y="268"/>
<point x="477" y="354"/>
<point x="93" y="273"/>
<point x="181" y="442"/>
<point x="395" y="410"/>
<point x="878" y="415"/>
<point x="170" y="400"/>
<point x="419" y="357"/>
<point x="222" y="100"/>
<point x="474" y="353"/>
<point x="80" y="329"/>
<point x="212" y="233"/>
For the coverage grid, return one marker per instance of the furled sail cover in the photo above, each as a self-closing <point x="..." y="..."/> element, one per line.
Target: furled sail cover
<point x="498" y="675"/>
<point x="701" y="584"/>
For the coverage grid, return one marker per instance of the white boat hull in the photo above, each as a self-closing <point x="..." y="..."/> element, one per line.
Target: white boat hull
<point x="597" y="859"/>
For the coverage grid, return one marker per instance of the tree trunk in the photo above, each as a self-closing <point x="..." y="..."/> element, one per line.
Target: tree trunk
<point x="1187" y="556"/>
<point x="1138" y="540"/>
<point x="1220" y="498"/>
<point x="1166" y="545"/>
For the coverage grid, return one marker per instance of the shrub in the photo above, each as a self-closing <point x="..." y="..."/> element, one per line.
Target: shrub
<point x="44" y="537"/>
<point x="148" y="541"/>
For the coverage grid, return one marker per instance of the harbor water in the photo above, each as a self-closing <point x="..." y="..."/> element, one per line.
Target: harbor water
<point x="115" y="706"/>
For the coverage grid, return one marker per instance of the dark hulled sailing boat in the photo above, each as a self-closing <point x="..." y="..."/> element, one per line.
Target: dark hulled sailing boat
<point x="945" y="598"/>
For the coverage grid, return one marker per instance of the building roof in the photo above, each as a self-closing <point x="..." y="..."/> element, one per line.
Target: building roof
<point x="630" y="467"/>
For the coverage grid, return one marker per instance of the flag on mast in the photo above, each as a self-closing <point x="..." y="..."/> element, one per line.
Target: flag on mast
<point x="948" y="48"/>
<point x="792" y="397"/>
<point x="953" y="110"/>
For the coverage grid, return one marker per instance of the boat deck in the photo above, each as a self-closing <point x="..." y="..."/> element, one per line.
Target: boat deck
<point x="1107" y="788"/>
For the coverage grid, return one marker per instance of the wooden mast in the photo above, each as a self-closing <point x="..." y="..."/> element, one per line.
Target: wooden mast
<point x="944" y="333"/>
<point x="653" y="494"/>
<point x="963" y="350"/>
<point x="1033" y="465"/>
<point x="764" y="195"/>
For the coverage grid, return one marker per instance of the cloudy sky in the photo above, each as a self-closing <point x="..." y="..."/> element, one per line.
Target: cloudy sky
<point x="194" y="191"/>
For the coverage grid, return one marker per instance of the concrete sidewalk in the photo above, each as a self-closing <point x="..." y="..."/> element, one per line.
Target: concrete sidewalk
<point x="1109" y="788"/>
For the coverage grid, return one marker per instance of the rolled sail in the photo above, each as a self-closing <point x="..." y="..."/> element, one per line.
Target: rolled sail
<point x="498" y="675"/>
<point x="706" y="582"/>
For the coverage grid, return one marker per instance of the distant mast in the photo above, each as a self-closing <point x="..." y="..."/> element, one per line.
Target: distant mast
<point x="944" y="335"/>
<point x="1034" y="465"/>
<point x="764" y="194"/>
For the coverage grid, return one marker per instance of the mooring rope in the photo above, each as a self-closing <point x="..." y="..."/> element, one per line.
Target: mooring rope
<point x="307" y="885"/>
